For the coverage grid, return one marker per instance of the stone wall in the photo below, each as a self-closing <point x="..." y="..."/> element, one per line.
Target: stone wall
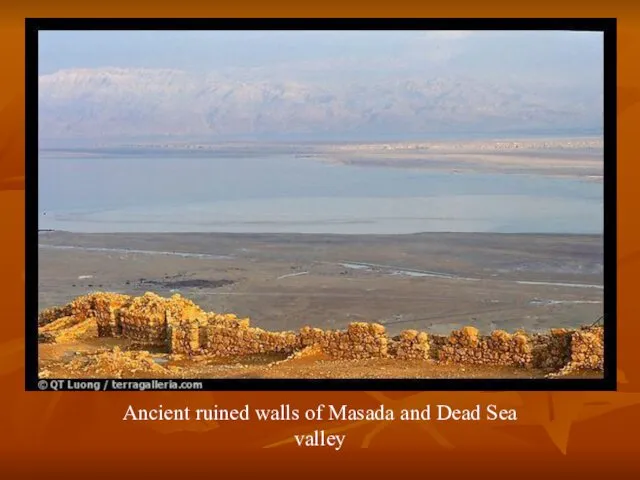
<point x="410" y="345"/>
<point x="552" y="350"/>
<point x="242" y="340"/>
<point x="160" y="322"/>
<point x="52" y="314"/>
<point x="177" y="325"/>
<point x="106" y="309"/>
<point x="499" y="348"/>
<point x="360" y="340"/>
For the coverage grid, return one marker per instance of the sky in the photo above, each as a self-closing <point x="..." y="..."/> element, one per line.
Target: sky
<point x="282" y="82"/>
<point x="563" y="51"/>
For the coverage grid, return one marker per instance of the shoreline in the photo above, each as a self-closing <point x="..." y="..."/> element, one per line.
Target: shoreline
<point x="569" y="141"/>
<point x="564" y="157"/>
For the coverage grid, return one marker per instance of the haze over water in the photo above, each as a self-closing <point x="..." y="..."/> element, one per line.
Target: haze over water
<point x="283" y="194"/>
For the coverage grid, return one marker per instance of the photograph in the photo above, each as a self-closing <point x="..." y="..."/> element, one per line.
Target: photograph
<point x="314" y="204"/>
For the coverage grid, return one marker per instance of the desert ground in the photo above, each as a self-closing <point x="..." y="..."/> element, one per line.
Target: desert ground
<point x="434" y="282"/>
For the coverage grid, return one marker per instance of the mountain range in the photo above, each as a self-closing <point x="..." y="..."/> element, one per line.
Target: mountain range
<point x="449" y="84"/>
<point x="141" y="102"/>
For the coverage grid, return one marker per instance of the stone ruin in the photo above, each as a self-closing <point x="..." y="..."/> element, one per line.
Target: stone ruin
<point x="177" y="325"/>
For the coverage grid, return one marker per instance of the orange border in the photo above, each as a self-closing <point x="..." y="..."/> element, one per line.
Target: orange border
<point x="589" y="434"/>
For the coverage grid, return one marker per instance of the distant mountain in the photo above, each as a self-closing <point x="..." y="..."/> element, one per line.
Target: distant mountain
<point x="130" y="102"/>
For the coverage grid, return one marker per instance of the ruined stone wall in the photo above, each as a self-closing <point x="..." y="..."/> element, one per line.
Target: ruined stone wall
<point x="179" y="326"/>
<point x="499" y="348"/>
<point x="161" y="322"/>
<point x="239" y="340"/>
<point x="410" y="345"/>
<point x="587" y="348"/>
<point x="359" y="341"/>
<point x="552" y="350"/>
<point x="52" y="314"/>
<point x="582" y="348"/>
<point x="106" y="308"/>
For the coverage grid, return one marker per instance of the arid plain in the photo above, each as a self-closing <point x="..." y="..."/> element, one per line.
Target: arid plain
<point x="434" y="282"/>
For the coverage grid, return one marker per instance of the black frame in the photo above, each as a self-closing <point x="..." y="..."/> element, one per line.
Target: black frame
<point x="605" y="25"/>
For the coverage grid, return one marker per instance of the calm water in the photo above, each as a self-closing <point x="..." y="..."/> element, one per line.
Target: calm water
<point x="285" y="194"/>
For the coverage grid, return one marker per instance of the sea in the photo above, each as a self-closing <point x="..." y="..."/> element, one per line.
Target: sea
<point x="152" y="192"/>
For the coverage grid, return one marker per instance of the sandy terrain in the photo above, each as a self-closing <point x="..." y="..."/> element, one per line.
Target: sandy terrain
<point x="562" y="158"/>
<point x="431" y="282"/>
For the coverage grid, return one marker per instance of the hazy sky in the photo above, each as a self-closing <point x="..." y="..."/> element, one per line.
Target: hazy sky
<point x="213" y="50"/>
<point x="282" y="82"/>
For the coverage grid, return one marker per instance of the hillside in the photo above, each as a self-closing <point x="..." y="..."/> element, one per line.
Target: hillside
<point x="134" y="102"/>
